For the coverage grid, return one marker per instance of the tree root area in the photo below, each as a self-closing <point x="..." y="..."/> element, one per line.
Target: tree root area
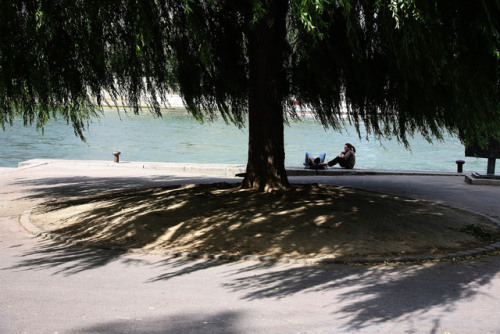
<point x="304" y="221"/>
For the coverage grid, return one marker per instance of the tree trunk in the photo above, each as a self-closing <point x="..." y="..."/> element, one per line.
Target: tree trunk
<point x="266" y="148"/>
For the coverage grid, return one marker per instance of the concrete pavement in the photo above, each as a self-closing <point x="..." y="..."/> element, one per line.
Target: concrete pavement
<point x="49" y="287"/>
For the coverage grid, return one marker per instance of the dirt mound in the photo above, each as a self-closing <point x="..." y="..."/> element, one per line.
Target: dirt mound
<point x="306" y="221"/>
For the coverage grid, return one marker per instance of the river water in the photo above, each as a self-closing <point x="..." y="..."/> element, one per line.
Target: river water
<point x="178" y="137"/>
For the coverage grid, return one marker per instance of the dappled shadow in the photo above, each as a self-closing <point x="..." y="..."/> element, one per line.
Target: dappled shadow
<point x="176" y="267"/>
<point x="67" y="259"/>
<point x="363" y="296"/>
<point x="223" y="323"/>
<point x="70" y="186"/>
<point x="309" y="220"/>
<point x="356" y="297"/>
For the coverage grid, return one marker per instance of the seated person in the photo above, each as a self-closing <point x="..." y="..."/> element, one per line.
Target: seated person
<point x="311" y="161"/>
<point x="346" y="159"/>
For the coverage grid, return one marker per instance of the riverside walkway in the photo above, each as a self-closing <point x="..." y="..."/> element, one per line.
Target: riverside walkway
<point x="49" y="287"/>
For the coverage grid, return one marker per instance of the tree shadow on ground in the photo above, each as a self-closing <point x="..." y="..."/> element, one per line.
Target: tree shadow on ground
<point x="67" y="259"/>
<point x="223" y="323"/>
<point x="357" y="297"/>
<point x="306" y="221"/>
<point x="69" y="187"/>
<point x="367" y="295"/>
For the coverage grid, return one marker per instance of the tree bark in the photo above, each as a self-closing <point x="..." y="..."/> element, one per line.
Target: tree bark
<point x="267" y="87"/>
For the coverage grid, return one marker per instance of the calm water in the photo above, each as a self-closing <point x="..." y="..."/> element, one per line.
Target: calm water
<point x="177" y="137"/>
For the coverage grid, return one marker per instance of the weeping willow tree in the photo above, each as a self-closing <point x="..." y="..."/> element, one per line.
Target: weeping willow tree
<point x="394" y="67"/>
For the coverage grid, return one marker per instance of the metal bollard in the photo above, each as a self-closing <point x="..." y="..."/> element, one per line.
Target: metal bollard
<point x="491" y="166"/>
<point x="460" y="164"/>
<point x="117" y="156"/>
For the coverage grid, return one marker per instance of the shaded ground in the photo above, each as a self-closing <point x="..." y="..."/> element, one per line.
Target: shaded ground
<point x="307" y="221"/>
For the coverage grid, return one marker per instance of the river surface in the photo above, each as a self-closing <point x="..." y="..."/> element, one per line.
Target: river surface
<point x="178" y="137"/>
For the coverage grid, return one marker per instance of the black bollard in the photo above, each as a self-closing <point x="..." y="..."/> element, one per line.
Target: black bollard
<point x="460" y="164"/>
<point x="491" y="166"/>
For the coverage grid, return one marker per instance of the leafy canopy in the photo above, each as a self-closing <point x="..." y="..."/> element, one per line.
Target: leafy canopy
<point x="395" y="66"/>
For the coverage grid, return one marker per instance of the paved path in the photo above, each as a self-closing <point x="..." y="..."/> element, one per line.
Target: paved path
<point x="47" y="287"/>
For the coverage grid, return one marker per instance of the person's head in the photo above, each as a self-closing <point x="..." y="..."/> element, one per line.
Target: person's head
<point x="349" y="147"/>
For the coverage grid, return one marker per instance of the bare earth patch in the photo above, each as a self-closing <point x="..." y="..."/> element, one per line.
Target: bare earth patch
<point x="307" y="221"/>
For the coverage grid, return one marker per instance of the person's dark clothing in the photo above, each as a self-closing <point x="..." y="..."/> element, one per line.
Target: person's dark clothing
<point x="347" y="161"/>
